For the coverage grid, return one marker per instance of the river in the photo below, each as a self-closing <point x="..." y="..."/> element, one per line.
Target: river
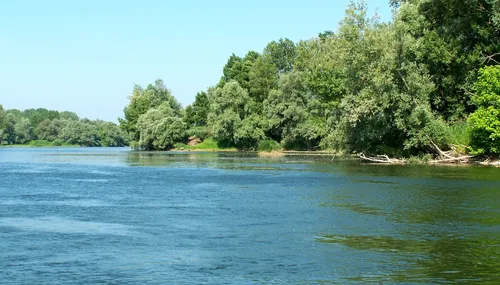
<point x="113" y="216"/>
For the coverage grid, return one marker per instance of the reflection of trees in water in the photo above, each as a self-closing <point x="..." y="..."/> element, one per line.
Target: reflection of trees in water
<point x="466" y="260"/>
<point x="168" y="158"/>
<point x="446" y="234"/>
<point x="226" y="160"/>
<point x="445" y="259"/>
<point x="453" y="217"/>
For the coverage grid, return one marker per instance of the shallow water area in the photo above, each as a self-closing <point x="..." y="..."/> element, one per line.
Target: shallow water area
<point x="114" y="216"/>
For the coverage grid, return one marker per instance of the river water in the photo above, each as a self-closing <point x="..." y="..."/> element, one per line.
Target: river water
<point x="112" y="216"/>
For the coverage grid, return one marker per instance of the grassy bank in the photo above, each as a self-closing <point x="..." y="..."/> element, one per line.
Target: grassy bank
<point x="40" y="143"/>
<point x="208" y="144"/>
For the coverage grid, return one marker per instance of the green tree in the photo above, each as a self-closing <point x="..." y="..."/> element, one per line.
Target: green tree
<point x="159" y="129"/>
<point x="238" y="69"/>
<point x="81" y="133"/>
<point x="141" y="101"/>
<point x="110" y="135"/>
<point x="262" y="78"/>
<point x="17" y="113"/>
<point x="3" y="122"/>
<point x="230" y="109"/>
<point x="386" y="108"/>
<point x="484" y="123"/>
<point x="66" y="115"/>
<point x="196" y="115"/>
<point x="23" y="131"/>
<point x="37" y="115"/>
<point x="2" y="117"/>
<point x="8" y="133"/>
<point x="48" y="130"/>
<point x="282" y="54"/>
<point x="286" y="107"/>
<point x="455" y="37"/>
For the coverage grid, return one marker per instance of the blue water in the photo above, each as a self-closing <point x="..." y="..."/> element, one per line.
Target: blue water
<point x="112" y="216"/>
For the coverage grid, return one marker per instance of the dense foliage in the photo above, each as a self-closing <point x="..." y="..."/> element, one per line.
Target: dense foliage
<point x="485" y="122"/>
<point x="372" y="87"/>
<point x="56" y="128"/>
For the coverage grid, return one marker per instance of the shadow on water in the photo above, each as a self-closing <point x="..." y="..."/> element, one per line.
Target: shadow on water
<point x="444" y="222"/>
<point x="356" y="207"/>
<point x="223" y="160"/>
<point x="439" y="259"/>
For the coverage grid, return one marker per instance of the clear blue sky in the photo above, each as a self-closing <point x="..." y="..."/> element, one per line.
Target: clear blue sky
<point x="85" y="56"/>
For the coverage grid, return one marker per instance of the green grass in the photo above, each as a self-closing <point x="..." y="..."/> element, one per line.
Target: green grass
<point x="39" y="143"/>
<point x="458" y="133"/>
<point x="208" y="144"/>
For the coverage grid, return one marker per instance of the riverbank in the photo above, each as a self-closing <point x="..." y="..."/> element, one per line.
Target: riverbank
<point x="44" y="143"/>
<point x="39" y="145"/>
<point x="211" y="145"/>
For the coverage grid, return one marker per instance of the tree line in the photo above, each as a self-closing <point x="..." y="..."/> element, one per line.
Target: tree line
<point x="429" y="76"/>
<point x="57" y="128"/>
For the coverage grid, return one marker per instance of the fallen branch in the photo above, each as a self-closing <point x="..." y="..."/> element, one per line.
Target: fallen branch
<point x="461" y="159"/>
<point x="441" y="153"/>
<point x="488" y="58"/>
<point x="488" y="162"/>
<point x="446" y="157"/>
<point x="380" y="159"/>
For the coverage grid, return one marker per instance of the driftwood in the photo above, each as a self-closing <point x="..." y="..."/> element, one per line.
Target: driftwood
<point x="447" y="157"/>
<point x="488" y="58"/>
<point x="488" y="162"/>
<point x="380" y="159"/>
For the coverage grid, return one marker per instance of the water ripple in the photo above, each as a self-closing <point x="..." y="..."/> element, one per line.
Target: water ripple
<point x="67" y="226"/>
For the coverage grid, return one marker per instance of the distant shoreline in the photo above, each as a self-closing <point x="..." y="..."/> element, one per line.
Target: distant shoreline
<point x="491" y="161"/>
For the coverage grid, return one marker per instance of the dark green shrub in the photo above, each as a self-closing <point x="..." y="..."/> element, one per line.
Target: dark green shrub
<point x="484" y="123"/>
<point x="57" y="142"/>
<point x="269" y="146"/>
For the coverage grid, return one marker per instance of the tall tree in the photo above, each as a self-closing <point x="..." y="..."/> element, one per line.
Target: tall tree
<point x="68" y="116"/>
<point x="456" y="38"/>
<point x="231" y="108"/>
<point x="141" y="101"/>
<point x="282" y="54"/>
<point x="386" y="108"/>
<point x="37" y="115"/>
<point x="196" y="114"/>
<point x="238" y="69"/>
<point x="23" y="131"/>
<point x="8" y="133"/>
<point x="2" y="117"/>
<point x="159" y="129"/>
<point x="262" y="78"/>
<point x="3" y="122"/>
<point x="484" y="123"/>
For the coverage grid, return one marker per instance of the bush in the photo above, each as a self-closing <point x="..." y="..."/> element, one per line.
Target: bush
<point x="269" y="146"/>
<point x="420" y="159"/>
<point x="39" y="143"/>
<point x="458" y="133"/>
<point x="57" y="142"/>
<point x="180" y="146"/>
<point x="484" y="124"/>
<point x="199" y="132"/>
